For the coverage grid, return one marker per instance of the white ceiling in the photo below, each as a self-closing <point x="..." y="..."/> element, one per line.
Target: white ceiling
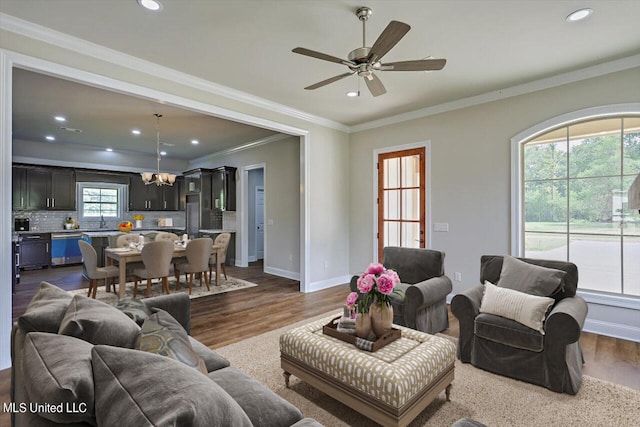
<point x="246" y="45"/>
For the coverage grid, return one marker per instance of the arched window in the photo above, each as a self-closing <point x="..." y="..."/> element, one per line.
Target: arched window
<point x="572" y="183"/>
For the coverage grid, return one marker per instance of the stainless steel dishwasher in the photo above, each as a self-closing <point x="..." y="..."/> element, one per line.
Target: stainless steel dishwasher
<point x="65" y="248"/>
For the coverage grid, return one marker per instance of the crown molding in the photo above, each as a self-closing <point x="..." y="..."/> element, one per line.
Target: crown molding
<point x="534" y="86"/>
<point x="200" y="162"/>
<point x="84" y="47"/>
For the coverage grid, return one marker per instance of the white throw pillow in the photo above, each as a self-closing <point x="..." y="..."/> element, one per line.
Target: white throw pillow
<point x="530" y="310"/>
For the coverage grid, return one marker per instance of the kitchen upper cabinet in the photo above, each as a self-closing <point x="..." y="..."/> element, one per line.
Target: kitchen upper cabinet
<point x="223" y="188"/>
<point x="151" y="197"/>
<point x="44" y="189"/>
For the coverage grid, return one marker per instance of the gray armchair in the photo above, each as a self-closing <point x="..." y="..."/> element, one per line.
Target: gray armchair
<point x="552" y="359"/>
<point x="424" y="286"/>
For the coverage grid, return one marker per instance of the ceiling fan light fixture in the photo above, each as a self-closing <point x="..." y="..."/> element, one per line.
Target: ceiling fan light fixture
<point x="152" y="5"/>
<point x="579" y="15"/>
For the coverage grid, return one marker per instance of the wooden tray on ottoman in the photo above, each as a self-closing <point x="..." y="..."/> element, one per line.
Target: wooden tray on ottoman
<point x="331" y="330"/>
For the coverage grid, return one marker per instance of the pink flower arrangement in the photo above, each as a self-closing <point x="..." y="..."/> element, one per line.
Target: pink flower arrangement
<point x="376" y="284"/>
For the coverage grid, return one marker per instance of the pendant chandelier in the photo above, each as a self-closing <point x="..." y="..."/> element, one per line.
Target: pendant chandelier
<point x="158" y="178"/>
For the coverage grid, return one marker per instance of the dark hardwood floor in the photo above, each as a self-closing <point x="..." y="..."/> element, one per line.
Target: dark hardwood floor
<point x="230" y="317"/>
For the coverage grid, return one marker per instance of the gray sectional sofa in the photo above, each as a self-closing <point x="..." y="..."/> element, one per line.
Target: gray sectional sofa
<point x="77" y="361"/>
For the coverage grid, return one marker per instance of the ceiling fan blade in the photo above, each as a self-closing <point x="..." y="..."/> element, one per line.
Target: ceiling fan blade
<point x="326" y="82"/>
<point x="320" y="55"/>
<point x="417" y="65"/>
<point x="387" y="40"/>
<point x="375" y="85"/>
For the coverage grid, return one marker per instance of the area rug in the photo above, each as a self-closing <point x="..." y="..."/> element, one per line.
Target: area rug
<point x="491" y="399"/>
<point x="226" y="285"/>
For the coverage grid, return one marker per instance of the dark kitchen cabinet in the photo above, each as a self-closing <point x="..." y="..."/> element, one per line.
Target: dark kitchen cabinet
<point x="35" y="251"/>
<point x="19" y="188"/>
<point x="143" y="197"/>
<point x="46" y="189"/>
<point x="223" y="188"/>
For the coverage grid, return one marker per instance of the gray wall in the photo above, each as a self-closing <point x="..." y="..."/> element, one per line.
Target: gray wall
<point x="470" y="174"/>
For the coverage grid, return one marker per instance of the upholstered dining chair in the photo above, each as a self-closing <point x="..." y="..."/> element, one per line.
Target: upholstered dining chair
<point x="126" y="239"/>
<point x="198" y="252"/>
<point x="94" y="273"/>
<point x="222" y="240"/>
<point x="163" y="235"/>
<point x="156" y="257"/>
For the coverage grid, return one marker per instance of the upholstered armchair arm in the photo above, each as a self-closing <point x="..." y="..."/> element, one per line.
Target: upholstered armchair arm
<point x="424" y="294"/>
<point x="353" y="285"/>
<point x="466" y="306"/>
<point x="178" y="305"/>
<point x="564" y="324"/>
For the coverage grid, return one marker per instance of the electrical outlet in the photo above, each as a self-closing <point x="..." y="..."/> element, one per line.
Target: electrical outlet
<point x="457" y="276"/>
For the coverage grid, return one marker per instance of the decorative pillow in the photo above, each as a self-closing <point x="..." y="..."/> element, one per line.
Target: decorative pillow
<point x="134" y="388"/>
<point x="529" y="278"/>
<point x="60" y="372"/>
<point x="530" y="310"/>
<point x="46" y="309"/>
<point x="98" y="323"/>
<point x="134" y="308"/>
<point x="162" y="334"/>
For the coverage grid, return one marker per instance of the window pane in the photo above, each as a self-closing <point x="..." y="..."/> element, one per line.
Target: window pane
<point x="391" y="204"/>
<point x="392" y="173"/>
<point x="596" y="205"/>
<point x="411" y="171"/>
<point x="631" y="265"/>
<point x="545" y="246"/>
<point x="595" y="148"/>
<point x="391" y="233"/>
<point x="410" y="205"/>
<point x="631" y="146"/>
<point x="630" y="217"/>
<point x="545" y="206"/>
<point x="545" y="160"/>
<point x="598" y="260"/>
<point x="410" y="235"/>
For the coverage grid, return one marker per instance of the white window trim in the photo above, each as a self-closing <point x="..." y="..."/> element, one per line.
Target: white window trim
<point x="122" y="199"/>
<point x="517" y="229"/>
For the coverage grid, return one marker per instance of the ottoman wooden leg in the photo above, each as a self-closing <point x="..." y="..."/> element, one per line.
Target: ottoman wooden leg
<point x="447" y="392"/>
<point x="286" y="375"/>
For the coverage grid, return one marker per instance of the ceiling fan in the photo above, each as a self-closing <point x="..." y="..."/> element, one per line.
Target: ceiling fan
<point x="365" y="60"/>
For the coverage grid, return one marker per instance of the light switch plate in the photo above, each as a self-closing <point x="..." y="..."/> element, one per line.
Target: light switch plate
<point x="441" y="226"/>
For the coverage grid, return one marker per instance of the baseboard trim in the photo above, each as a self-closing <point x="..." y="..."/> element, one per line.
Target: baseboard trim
<point x="329" y="283"/>
<point x="293" y="275"/>
<point x="609" y="329"/>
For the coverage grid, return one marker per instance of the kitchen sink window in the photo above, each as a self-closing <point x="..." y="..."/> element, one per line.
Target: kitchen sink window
<point x="101" y="200"/>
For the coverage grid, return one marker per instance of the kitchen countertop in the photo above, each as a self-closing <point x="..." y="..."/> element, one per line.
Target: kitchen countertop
<point x="102" y="231"/>
<point x="216" y="230"/>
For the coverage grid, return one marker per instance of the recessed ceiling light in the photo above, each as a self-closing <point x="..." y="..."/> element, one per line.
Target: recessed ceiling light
<point x="195" y="142"/>
<point x="579" y="15"/>
<point x="163" y="153"/>
<point x="50" y="138"/>
<point x="153" y="5"/>
<point x="353" y="93"/>
<point x="135" y="132"/>
<point x="109" y="149"/>
<point x="60" y="119"/>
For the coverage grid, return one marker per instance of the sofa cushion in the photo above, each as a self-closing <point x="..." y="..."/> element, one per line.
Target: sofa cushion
<point x="530" y="310"/>
<point x="59" y="372"/>
<point x="46" y="309"/>
<point x="98" y="323"/>
<point x="508" y="332"/>
<point x="134" y="388"/>
<point x="134" y="308"/>
<point x="162" y="334"/>
<point x="212" y="360"/>
<point x="529" y="278"/>
<point x="263" y="407"/>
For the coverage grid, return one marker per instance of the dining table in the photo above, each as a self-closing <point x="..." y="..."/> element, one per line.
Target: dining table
<point x="133" y="253"/>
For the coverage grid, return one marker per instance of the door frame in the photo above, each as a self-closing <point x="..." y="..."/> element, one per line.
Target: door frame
<point x="242" y="251"/>
<point x="257" y="188"/>
<point x="427" y="189"/>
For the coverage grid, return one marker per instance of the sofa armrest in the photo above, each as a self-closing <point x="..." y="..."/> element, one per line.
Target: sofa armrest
<point x="178" y="305"/>
<point x="565" y="321"/>
<point x="466" y="306"/>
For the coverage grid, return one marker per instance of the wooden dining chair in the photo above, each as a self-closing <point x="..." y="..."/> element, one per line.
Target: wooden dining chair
<point x="222" y="240"/>
<point x="197" y="253"/>
<point x="95" y="273"/>
<point x="156" y="257"/>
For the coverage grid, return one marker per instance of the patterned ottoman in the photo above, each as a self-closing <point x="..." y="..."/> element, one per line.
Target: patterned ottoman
<point x="391" y="386"/>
